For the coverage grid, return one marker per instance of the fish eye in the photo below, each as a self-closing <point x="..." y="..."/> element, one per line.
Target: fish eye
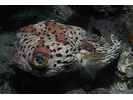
<point x="40" y="61"/>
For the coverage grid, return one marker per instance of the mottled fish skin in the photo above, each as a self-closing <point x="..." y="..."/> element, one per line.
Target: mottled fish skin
<point x="63" y="46"/>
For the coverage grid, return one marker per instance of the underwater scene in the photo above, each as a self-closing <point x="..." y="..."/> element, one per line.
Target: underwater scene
<point x="66" y="49"/>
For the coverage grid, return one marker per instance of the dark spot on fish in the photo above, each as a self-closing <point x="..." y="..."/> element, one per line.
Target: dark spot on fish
<point x="47" y="46"/>
<point x="48" y="35"/>
<point x="67" y="51"/>
<point x="54" y="50"/>
<point x="44" y="31"/>
<point x="38" y="34"/>
<point x="54" y="65"/>
<point x="76" y="38"/>
<point x="72" y="42"/>
<point x="66" y="43"/>
<point x="28" y="41"/>
<point x="29" y="46"/>
<point x="29" y="54"/>
<point x="18" y="38"/>
<point x="71" y="32"/>
<point x="75" y="32"/>
<point x="79" y="49"/>
<point x="56" y="35"/>
<point x="65" y="62"/>
<point x="69" y="55"/>
<point x="78" y="29"/>
<point x="25" y="39"/>
<point x="59" y="61"/>
<point x="51" y="56"/>
<point x="49" y="29"/>
<point x="21" y="48"/>
<point x="59" y="48"/>
<point x="74" y="49"/>
<point x="42" y="45"/>
<point x="59" y="55"/>
<point x="32" y="47"/>
<point x="46" y="28"/>
<point x="25" y="35"/>
<point x="46" y="24"/>
<point x="23" y="55"/>
<point x="81" y="60"/>
<point x="21" y="35"/>
<point x="54" y="32"/>
<point x="41" y="37"/>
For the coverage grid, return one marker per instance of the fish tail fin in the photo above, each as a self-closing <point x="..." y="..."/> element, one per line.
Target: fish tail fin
<point x="94" y="62"/>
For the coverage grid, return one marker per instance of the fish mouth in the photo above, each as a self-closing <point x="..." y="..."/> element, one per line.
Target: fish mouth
<point x="42" y="70"/>
<point x="41" y="73"/>
<point x="46" y="71"/>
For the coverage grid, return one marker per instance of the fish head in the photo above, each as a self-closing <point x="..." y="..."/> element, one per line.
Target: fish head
<point x="43" y="54"/>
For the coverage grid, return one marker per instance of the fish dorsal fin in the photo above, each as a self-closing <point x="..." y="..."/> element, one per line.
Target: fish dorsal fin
<point x="92" y="63"/>
<point x="99" y="27"/>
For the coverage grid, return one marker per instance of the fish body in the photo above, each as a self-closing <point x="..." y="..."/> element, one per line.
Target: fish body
<point x="48" y="48"/>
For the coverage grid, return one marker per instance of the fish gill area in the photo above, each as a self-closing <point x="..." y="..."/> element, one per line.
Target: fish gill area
<point x="112" y="79"/>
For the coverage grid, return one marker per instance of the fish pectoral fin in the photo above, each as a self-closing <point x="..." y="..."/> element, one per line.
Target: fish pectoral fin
<point x="92" y="63"/>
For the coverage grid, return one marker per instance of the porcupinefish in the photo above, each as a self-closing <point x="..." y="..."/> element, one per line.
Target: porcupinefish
<point x="49" y="47"/>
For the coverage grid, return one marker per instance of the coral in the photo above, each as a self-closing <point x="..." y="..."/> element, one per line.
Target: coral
<point x="58" y="12"/>
<point x="6" y="49"/>
<point x="109" y="11"/>
<point x="128" y="24"/>
<point x="130" y="84"/>
<point x="76" y="91"/>
<point x="125" y="64"/>
<point x="5" y="89"/>
<point x="19" y="16"/>
<point x="121" y="86"/>
<point x="61" y="13"/>
<point x="110" y="26"/>
<point x="129" y="72"/>
<point x="100" y="91"/>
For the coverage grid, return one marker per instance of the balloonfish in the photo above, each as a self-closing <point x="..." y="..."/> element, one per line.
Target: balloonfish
<point x="49" y="47"/>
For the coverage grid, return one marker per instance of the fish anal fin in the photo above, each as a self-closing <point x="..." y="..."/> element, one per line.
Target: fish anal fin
<point x="85" y="74"/>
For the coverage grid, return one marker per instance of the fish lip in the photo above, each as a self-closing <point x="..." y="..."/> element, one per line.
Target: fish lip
<point x="51" y="71"/>
<point x="45" y="70"/>
<point x="42" y="70"/>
